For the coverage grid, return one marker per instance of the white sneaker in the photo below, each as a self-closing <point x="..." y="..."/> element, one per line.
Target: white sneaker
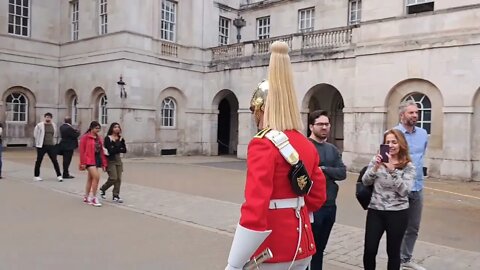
<point x="412" y="265"/>
<point x="37" y="178"/>
<point x="60" y="178"/>
<point x="95" y="202"/>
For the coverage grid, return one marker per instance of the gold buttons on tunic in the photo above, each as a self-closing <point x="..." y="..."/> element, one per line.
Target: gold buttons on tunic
<point x="312" y="245"/>
<point x="300" y="250"/>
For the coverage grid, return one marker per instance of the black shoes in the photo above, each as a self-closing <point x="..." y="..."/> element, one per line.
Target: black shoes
<point x="102" y="194"/>
<point x="117" y="199"/>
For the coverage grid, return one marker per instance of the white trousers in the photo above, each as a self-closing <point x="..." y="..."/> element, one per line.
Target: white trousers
<point x="297" y="265"/>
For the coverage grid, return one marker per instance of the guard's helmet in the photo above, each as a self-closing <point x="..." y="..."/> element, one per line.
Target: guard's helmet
<point x="259" y="97"/>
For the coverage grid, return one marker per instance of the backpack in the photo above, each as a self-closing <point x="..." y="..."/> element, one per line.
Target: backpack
<point x="362" y="192"/>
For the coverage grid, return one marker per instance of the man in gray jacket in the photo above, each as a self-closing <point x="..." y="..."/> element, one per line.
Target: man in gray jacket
<point x="332" y="166"/>
<point x="45" y="134"/>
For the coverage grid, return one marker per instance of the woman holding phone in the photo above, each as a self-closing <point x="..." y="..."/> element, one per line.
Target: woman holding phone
<point x="392" y="180"/>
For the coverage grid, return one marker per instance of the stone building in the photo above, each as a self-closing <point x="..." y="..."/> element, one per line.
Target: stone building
<point x="178" y="75"/>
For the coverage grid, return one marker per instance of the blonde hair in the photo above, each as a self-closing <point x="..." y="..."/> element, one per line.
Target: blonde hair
<point x="281" y="108"/>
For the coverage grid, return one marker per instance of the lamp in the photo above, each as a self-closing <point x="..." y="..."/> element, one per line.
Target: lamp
<point x="239" y="22"/>
<point x="121" y="85"/>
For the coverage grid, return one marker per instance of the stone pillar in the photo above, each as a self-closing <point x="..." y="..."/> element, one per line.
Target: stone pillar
<point x="456" y="163"/>
<point x="209" y="133"/>
<point x="363" y="133"/>
<point x="297" y="42"/>
<point x="246" y="130"/>
<point x="304" y="118"/>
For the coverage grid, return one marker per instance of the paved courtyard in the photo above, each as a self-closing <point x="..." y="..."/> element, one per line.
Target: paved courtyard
<point x="180" y="213"/>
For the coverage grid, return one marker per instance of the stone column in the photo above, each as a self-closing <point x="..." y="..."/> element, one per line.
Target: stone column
<point x="363" y="131"/>
<point x="209" y="133"/>
<point x="246" y="130"/>
<point x="304" y="118"/>
<point x="456" y="163"/>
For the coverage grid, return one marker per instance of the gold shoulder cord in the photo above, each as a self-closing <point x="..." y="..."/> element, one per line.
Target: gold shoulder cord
<point x="262" y="133"/>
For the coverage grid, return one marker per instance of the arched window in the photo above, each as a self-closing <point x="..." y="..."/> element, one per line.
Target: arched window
<point x="102" y="110"/>
<point x="74" y="110"/>
<point x="424" y="110"/>
<point x="168" y="112"/>
<point x="17" y="108"/>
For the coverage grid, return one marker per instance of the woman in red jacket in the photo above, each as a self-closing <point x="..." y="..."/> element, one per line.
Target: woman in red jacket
<point x="92" y="158"/>
<point x="275" y="213"/>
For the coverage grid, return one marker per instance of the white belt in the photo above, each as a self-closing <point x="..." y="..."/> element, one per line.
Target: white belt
<point x="297" y="202"/>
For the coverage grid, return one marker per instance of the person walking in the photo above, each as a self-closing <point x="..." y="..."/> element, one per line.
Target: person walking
<point x="387" y="212"/>
<point x="115" y="145"/>
<point x="68" y="143"/>
<point x="334" y="170"/>
<point x="91" y="159"/>
<point x="417" y="139"/>
<point x="278" y="199"/>
<point x="45" y="135"/>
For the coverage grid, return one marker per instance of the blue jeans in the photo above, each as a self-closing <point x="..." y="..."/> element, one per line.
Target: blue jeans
<point x="323" y="221"/>
<point x="415" y="199"/>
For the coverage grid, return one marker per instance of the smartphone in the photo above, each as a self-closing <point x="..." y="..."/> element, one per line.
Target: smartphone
<point x="384" y="149"/>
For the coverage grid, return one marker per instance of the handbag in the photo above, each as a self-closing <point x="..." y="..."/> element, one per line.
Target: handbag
<point x="58" y="149"/>
<point x="362" y="192"/>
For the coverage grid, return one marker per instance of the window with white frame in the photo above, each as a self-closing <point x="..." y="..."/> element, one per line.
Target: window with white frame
<point x="168" y="111"/>
<point x="424" y="110"/>
<point x="19" y="17"/>
<point x="417" y="6"/>
<point x="103" y="17"/>
<point x="355" y="12"/>
<point x="102" y="110"/>
<point x="17" y="108"/>
<point x="168" y="22"/>
<point x="74" y="110"/>
<point x="223" y="31"/>
<point x="263" y="27"/>
<point x="306" y="19"/>
<point x="74" y="19"/>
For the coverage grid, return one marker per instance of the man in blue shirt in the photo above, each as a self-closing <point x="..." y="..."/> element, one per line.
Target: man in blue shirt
<point x="417" y="139"/>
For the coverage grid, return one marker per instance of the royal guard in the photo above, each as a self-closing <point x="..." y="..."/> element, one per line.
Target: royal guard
<point x="284" y="184"/>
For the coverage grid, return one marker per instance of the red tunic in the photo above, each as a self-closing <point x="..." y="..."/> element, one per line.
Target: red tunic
<point x="267" y="179"/>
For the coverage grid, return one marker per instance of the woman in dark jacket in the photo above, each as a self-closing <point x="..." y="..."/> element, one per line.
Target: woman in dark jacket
<point x="114" y="145"/>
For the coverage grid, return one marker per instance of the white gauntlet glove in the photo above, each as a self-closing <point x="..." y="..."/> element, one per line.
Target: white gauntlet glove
<point x="245" y="243"/>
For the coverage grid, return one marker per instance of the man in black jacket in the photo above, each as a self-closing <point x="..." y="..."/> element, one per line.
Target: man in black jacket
<point x="68" y="144"/>
<point x="332" y="166"/>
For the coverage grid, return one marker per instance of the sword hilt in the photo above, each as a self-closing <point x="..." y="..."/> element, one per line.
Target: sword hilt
<point x="256" y="261"/>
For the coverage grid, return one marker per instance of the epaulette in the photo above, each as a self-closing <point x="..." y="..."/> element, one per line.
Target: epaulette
<point x="262" y="133"/>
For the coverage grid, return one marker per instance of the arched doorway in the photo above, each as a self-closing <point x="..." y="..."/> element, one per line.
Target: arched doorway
<point x="227" y="122"/>
<point x="327" y="97"/>
<point x="223" y="131"/>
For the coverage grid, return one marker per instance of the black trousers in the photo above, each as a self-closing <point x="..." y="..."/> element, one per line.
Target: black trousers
<point x="395" y="224"/>
<point x="67" y="159"/>
<point x="321" y="227"/>
<point x="51" y="151"/>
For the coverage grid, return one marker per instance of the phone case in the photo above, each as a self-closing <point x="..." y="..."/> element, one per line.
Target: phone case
<point x="384" y="149"/>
